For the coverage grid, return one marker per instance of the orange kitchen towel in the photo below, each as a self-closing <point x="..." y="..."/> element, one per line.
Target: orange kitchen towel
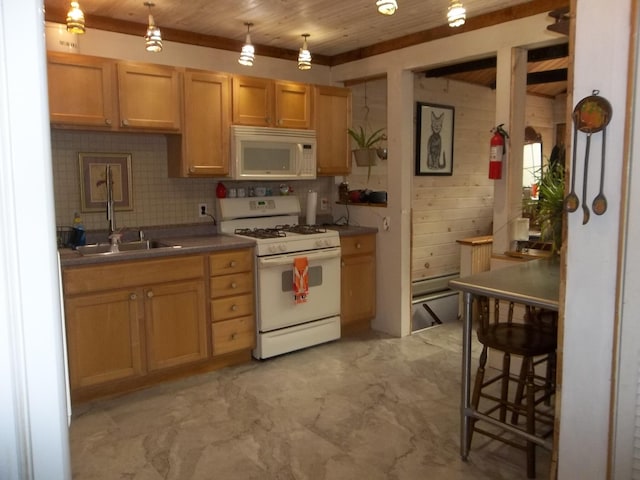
<point x="300" y="279"/>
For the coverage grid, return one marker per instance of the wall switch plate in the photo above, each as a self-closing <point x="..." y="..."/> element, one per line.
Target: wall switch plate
<point x="324" y="204"/>
<point x="386" y="221"/>
<point x="203" y="209"/>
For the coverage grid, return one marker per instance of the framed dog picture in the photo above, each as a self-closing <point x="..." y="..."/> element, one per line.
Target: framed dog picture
<point x="434" y="139"/>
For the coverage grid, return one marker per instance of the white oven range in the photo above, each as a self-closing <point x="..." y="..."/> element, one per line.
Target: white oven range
<point x="282" y="325"/>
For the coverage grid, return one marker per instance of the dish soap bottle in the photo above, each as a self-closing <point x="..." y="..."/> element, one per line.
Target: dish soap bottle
<point x="79" y="237"/>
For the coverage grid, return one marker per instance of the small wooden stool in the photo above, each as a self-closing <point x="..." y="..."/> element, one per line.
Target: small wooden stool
<point x="531" y="340"/>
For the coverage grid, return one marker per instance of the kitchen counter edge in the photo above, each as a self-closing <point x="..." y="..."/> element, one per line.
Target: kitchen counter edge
<point x="352" y="230"/>
<point x="176" y="246"/>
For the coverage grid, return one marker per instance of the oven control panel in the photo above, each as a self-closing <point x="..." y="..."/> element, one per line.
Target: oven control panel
<point x="262" y="205"/>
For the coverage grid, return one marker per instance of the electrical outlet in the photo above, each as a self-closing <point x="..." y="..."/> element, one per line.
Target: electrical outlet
<point x="203" y="209"/>
<point x="386" y="223"/>
<point x="324" y="204"/>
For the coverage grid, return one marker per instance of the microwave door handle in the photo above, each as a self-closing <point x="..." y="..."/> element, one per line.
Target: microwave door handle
<point x="288" y="259"/>
<point x="299" y="158"/>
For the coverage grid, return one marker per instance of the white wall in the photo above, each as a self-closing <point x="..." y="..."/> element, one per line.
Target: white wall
<point x="592" y="249"/>
<point x="33" y="414"/>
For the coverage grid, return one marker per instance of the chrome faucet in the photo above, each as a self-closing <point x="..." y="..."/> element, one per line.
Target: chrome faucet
<point x="111" y="213"/>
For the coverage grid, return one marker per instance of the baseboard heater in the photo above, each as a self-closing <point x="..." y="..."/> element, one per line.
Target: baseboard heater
<point x="433" y="302"/>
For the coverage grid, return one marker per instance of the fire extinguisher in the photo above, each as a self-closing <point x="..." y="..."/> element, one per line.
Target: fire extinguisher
<point x="497" y="152"/>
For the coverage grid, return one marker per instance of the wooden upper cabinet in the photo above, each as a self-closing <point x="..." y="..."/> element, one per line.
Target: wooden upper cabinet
<point x="81" y="91"/>
<point x="292" y="105"/>
<point x="149" y="97"/>
<point x="203" y="149"/>
<point x="332" y="119"/>
<point x="252" y="101"/>
<point x="267" y="103"/>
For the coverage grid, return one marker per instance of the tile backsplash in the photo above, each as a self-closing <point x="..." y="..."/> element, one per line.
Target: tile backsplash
<point x="157" y="199"/>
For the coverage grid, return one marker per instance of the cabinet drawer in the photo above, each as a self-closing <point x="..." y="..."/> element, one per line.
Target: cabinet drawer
<point x="231" y="262"/>
<point x="231" y="307"/>
<point x="358" y="245"/>
<point x="93" y="278"/>
<point x="233" y="335"/>
<point x="225" y="285"/>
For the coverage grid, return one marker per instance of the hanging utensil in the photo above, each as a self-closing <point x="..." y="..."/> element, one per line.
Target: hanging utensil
<point x="593" y="114"/>
<point x="599" y="205"/>
<point x="571" y="201"/>
<point x="585" y="209"/>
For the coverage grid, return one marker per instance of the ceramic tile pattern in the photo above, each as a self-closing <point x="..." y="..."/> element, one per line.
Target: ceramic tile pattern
<point x="157" y="199"/>
<point x="369" y="407"/>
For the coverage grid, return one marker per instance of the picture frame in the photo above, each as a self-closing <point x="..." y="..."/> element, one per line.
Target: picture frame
<point x="93" y="191"/>
<point x="434" y="139"/>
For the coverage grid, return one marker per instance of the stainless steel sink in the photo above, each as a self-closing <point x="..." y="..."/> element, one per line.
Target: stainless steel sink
<point x="105" y="248"/>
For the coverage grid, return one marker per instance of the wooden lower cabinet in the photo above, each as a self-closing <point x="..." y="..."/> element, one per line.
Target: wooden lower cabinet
<point x="103" y="337"/>
<point x="357" y="282"/>
<point x="176" y="326"/>
<point x="129" y="321"/>
<point x="232" y="301"/>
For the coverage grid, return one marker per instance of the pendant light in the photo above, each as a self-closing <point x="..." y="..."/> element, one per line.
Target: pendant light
<point x="456" y="14"/>
<point x="387" y="7"/>
<point x="304" y="57"/>
<point x="75" y="19"/>
<point x="248" y="52"/>
<point x="153" y="38"/>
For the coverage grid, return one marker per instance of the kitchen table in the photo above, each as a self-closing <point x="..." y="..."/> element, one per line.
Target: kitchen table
<point x="534" y="283"/>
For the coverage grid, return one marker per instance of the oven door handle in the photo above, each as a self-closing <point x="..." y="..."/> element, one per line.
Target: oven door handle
<point x="288" y="259"/>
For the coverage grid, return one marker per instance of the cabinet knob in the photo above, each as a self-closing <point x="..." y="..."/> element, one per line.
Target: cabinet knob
<point x="234" y="285"/>
<point x="234" y="335"/>
<point x="133" y="296"/>
<point x="234" y="307"/>
<point x="358" y="245"/>
<point x="125" y="123"/>
<point x="107" y="121"/>
<point x="343" y="264"/>
<point x="192" y="169"/>
<point x="232" y="263"/>
<point x="150" y="294"/>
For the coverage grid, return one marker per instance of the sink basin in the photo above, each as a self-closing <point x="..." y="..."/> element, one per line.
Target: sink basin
<point x="105" y="248"/>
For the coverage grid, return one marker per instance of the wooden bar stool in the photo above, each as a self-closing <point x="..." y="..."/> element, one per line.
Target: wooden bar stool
<point x="534" y="341"/>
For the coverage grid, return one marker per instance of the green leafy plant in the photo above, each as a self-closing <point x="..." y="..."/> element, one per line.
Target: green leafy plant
<point x="366" y="141"/>
<point x="551" y="205"/>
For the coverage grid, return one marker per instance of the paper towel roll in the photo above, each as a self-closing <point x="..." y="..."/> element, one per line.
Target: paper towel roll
<point x="312" y="205"/>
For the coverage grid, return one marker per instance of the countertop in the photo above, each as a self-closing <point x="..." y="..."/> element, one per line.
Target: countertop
<point x="185" y="245"/>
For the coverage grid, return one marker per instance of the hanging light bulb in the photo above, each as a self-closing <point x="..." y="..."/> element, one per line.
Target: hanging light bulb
<point x="75" y="19"/>
<point x="387" y="7"/>
<point x="248" y="52"/>
<point x="304" y="57"/>
<point x="456" y="15"/>
<point x="153" y="38"/>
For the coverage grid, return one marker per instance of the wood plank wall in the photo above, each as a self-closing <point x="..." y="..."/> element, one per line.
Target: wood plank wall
<point x="448" y="208"/>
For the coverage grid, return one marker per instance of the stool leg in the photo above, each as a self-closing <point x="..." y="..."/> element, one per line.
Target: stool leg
<point x="522" y="380"/>
<point x="504" y="390"/>
<point x="477" y="387"/>
<point x="531" y="420"/>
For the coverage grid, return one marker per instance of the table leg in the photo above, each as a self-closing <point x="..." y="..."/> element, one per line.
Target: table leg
<point x="465" y="402"/>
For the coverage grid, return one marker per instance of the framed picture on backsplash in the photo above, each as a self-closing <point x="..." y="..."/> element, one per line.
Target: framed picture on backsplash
<point x="434" y="139"/>
<point x="94" y="169"/>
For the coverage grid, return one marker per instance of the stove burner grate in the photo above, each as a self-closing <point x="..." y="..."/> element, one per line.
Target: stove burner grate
<point x="302" y="229"/>
<point x="261" y="232"/>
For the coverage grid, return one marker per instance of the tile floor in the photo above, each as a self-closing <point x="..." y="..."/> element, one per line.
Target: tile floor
<point x="370" y="407"/>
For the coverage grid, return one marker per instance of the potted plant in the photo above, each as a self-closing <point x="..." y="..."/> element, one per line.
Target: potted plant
<point x="551" y="206"/>
<point x="366" y="154"/>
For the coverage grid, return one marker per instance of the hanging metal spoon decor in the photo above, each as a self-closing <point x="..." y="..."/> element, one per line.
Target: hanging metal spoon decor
<point x="591" y="115"/>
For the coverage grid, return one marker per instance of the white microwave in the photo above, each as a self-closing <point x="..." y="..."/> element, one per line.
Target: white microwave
<point x="262" y="153"/>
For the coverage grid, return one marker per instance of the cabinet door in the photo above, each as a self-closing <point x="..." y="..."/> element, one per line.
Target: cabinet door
<point x="176" y="323"/>
<point x="149" y="97"/>
<point x="358" y="289"/>
<point x="205" y="131"/>
<point x="81" y="90"/>
<point x="252" y="101"/>
<point x="103" y="337"/>
<point x="332" y="119"/>
<point x="293" y="105"/>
